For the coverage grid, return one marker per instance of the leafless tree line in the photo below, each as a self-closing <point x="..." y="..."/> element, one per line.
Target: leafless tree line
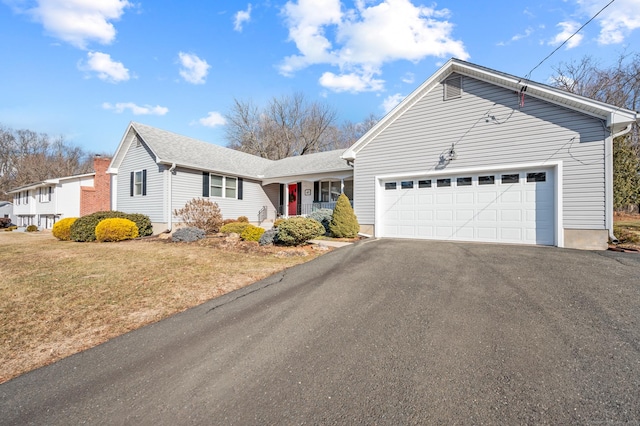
<point x="28" y="157"/>
<point x="288" y="126"/>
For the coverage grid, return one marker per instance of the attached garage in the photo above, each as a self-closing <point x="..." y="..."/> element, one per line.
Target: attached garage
<point x="509" y="206"/>
<point x="475" y="154"/>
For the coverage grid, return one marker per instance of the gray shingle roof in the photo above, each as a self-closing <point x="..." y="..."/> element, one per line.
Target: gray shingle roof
<point x="174" y="148"/>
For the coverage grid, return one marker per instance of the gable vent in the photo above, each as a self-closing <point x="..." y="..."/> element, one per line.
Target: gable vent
<point x="453" y="88"/>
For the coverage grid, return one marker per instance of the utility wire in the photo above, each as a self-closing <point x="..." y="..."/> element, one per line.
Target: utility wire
<point x="526" y="77"/>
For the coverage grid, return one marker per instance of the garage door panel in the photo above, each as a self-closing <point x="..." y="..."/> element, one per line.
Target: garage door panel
<point x="519" y="212"/>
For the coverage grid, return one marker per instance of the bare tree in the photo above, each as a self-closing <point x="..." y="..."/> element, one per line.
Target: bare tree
<point x="617" y="85"/>
<point x="28" y="157"/>
<point x="286" y="127"/>
<point x="349" y="132"/>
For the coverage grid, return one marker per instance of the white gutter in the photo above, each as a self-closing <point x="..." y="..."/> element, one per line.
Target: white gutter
<point x="169" y="199"/>
<point x="609" y="187"/>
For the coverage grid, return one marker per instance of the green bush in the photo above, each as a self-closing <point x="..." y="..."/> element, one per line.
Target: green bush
<point x="323" y="216"/>
<point x="243" y="219"/>
<point x="344" y="223"/>
<point x="32" y="228"/>
<point x="277" y="222"/>
<point x="234" y="227"/>
<point x="116" y="229"/>
<point x="252" y="233"/>
<point x="298" y="230"/>
<point x="62" y="228"/>
<point x="84" y="229"/>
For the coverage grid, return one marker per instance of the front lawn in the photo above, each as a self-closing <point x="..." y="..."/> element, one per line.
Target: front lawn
<point x="58" y="298"/>
<point x="627" y="229"/>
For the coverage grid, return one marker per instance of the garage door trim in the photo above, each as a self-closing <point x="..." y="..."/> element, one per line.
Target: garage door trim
<point x="555" y="167"/>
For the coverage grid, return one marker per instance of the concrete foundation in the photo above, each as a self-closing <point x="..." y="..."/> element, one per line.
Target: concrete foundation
<point x="586" y="239"/>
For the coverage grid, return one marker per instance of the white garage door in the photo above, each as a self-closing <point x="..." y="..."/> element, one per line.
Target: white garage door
<point x="513" y="207"/>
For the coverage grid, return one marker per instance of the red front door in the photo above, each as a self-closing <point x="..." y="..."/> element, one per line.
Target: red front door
<point x="293" y="199"/>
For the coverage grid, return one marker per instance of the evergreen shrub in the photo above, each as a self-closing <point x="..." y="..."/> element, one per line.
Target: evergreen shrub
<point x="188" y="235"/>
<point x="252" y="233"/>
<point x="298" y="230"/>
<point x="344" y="223"/>
<point x="234" y="227"/>
<point x="268" y="238"/>
<point x="323" y="216"/>
<point x="84" y="229"/>
<point x="32" y="228"/>
<point x="62" y="228"/>
<point x="116" y="229"/>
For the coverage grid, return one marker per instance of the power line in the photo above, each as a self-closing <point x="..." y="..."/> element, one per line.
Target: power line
<point x="526" y="77"/>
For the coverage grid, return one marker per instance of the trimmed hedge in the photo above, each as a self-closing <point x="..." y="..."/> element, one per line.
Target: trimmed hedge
<point x="234" y="228"/>
<point x="31" y="228"/>
<point x="84" y="229"/>
<point x="298" y="230"/>
<point x="116" y="229"/>
<point x="62" y="228"/>
<point x="252" y="233"/>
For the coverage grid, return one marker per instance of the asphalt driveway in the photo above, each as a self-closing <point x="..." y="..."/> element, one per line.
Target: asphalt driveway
<point x="381" y="332"/>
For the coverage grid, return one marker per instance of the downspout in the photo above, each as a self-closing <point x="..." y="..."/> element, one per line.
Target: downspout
<point x="169" y="199"/>
<point x="609" y="217"/>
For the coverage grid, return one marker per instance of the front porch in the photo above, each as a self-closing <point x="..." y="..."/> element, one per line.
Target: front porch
<point x="304" y="197"/>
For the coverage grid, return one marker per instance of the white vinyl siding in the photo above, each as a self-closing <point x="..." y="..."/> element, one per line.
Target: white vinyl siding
<point x="488" y="128"/>
<point x="187" y="184"/>
<point x="139" y="158"/>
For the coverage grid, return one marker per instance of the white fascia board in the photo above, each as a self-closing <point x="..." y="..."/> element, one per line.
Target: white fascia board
<point x="308" y="178"/>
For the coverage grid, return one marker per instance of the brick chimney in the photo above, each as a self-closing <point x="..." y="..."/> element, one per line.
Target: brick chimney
<point x="97" y="198"/>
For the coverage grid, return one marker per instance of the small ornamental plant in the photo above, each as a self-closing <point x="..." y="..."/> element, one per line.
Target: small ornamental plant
<point x="116" y="229"/>
<point x="252" y="233"/>
<point x="234" y="228"/>
<point x="201" y="213"/>
<point x="62" y="228"/>
<point x="344" y="223"/>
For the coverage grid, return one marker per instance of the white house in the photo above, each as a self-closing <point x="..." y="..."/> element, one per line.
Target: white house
<point x="473" y="154"/>
<point x="44" y="203"/>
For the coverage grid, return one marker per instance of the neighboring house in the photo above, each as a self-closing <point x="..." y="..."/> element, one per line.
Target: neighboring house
<point x="474" y="154"/>
<point x="6" y="210"/>
<point x="155" y="172"/>
<point x="44" y="203"/>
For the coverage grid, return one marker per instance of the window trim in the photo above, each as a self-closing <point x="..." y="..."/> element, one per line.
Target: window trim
<point x="223" y="188"/>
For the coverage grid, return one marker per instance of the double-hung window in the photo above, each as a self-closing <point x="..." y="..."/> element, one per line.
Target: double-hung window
<point x="138" y="184"/>
<point x="45" y="194"/>
<point x="223" y="186"/>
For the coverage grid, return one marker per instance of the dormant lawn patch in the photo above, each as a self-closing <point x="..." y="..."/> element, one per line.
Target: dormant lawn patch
<point x="58" y="298"/>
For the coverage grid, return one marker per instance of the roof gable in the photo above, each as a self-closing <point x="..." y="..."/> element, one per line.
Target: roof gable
<point x="617" y="119"/>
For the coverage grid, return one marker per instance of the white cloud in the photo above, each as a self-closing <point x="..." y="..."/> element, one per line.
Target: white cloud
<point x="409" y="78"/>
<point x="135" y="109"/>
<point x="241" y="17"/>
<point x="391" y="102"/>
<point x="616" y="22"/>
<point x="568" y="28"/>
<point x="78" y="22"/>
<point x="107" y="69"/>
<point x="213" y="119"/>
<point x="366" y="38"/>
<point x="352" y="82"/>
<point x="194" y="70"/>
<point x="527" y="32"/>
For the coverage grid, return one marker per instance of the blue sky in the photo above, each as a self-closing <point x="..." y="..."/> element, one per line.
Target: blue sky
<point x="84" y="69"/>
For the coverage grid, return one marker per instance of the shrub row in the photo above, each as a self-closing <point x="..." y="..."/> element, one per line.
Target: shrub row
<point x="116" y="229"/>
<point x="84" y="229"/>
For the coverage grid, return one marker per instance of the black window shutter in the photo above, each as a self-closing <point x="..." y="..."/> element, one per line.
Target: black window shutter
<point x="316" y="191"/>
<point x="280" y="196"/>
<point x="144" y="182"/>
<point x="205" y="184"/>
<point x="131" y="185"/>
<point x="299" y="207"/>
<point x="239" y="188"/>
